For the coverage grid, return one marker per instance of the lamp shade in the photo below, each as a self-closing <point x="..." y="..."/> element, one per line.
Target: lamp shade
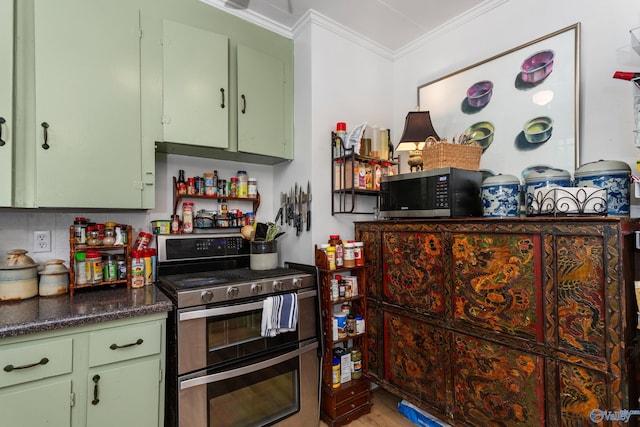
<point x="417" y="128"/>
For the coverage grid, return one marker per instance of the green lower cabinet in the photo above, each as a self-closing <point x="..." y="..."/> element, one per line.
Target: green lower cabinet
<point x="36" y="405"/>
<point x="109" y="374"/>
<point x="124" y="395"/>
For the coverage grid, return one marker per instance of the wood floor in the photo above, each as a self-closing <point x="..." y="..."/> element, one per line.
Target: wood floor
<point x="384" y="413"/>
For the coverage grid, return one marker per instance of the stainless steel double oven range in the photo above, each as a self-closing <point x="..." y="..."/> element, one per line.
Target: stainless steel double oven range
<point x="220" y="370"/>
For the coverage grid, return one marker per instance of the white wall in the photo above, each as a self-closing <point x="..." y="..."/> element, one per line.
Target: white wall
<point x="606" y="119"/>
<point x="338" y="77"/>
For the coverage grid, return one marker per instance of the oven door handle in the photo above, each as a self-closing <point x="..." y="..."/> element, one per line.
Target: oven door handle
<point x="232" y="309"/>
<point x="208" y="379"/>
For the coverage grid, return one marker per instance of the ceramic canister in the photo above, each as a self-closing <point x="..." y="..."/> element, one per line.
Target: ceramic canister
<point x="501" y="196"/>
<point x="543" y="176"/>
<point x="54" y="278"/>
<point x="611" y="175"/>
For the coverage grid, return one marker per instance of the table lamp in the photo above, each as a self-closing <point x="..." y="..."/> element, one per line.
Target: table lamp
<point x="417" y="128"/>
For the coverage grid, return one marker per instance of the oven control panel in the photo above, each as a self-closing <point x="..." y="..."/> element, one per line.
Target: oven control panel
<point x="196" y="246"/>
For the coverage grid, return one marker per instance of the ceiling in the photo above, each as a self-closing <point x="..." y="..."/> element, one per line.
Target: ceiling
<point x="392" y="24"/>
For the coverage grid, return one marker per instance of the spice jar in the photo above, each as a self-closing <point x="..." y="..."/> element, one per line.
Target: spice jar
<point x="80" y="230"/>
<point x="356" y="363"/>
<point x="349" y="255"/>
<point x="351" y="325"/>
<point x="334" y="240"/>
<point x="243" y="183"/>
<point x="94" y="267"/>
<point x="358" y="253"/>
<point x="331" y="257"/>
<point x="109" y="268"/>
<point x="137" y="269"/>
<point x="187" y="217"/>
<point x="252" y="187"/>
<point x="142" y="241"/>
<point x="175" y="224"/>
<point x="109" y="234"/>
<point x="233" y="188"/>
<point x="335" y="369"/>
<point x="93" y="236"/>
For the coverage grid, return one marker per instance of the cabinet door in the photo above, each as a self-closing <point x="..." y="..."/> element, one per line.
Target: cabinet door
<point x="6" y="100"/>
<point x="261" y="104"/>
<point x="497" y="283"/>
<point x="195" y="83"/>
<point x="496" y="384"/>
<point x="87" y="56"/>
<point x="37" y="405"/>
<point x="417" y="358"/>
<point x="124" y="395"/>
<point x="414" y="271"/>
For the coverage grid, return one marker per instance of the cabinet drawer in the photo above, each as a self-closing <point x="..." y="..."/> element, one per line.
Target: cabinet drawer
<point x="345" y="393"/>
<point x="123" y="343"/>
<point x="357" y="402"/>
<point x="34" y="361"/>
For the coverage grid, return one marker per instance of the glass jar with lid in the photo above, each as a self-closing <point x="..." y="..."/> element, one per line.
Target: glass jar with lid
<point x="109" y="234"/>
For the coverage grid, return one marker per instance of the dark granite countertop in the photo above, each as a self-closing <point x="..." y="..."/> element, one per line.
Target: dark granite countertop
<point x="87" y="306"/>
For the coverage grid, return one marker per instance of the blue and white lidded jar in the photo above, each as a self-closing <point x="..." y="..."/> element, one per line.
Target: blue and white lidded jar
<point x="611" y="175"/>
<point x="500" y="196"/>
<point x="541" y="177"/>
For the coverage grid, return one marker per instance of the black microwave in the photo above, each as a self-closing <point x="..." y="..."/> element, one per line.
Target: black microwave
<point x="444" y="192"/>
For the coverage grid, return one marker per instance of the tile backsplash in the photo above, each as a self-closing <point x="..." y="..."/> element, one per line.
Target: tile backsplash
<point x="17" y="227"/>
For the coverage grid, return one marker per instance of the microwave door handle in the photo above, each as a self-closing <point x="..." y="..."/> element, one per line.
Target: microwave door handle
<point x="233" y="309"/>
<point x="208" y="379"/>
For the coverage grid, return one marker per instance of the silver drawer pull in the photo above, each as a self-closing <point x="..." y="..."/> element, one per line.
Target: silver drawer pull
<point x="42" y="361"/>
<point x="116" y="346"/>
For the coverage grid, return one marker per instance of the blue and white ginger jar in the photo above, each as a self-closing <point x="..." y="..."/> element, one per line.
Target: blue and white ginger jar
<point x="611" y="175"/>
<point x="501" y="196"/>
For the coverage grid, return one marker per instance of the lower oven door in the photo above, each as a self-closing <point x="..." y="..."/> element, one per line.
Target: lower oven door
<point x="215" y="334"/>
<point x="280" y="389"/>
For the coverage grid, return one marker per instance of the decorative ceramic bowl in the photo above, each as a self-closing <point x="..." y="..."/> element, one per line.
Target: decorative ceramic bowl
<point x="501" y="196"/>
<point x="480" y="93"/>
<point x="537" y="66"/>
<point x="482" y="133"/>
<point x="611" y="175"/>
<point x="538" y="130"/>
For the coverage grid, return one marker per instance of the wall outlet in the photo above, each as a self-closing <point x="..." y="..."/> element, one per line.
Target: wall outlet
<point x="42" y="241"/>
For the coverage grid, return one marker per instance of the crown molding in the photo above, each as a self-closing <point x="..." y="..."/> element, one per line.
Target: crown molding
<point x="313" y="17"/>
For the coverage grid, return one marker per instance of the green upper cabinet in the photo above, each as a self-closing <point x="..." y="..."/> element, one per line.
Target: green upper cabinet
<point x="195" y="85"/>
<point x="6" y="101"/>
<point x="88" y="105"/>
<point x="262" y="124"/>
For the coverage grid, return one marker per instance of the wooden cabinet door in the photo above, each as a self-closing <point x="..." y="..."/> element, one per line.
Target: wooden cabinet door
<point x="414" y="271"/>
<point x="124" y="395"/>
<point x="87" y="77"/>
<point x="195" y="84"/>
<point x="261" y="104"/>
<point x="496" y="384"/>
<point x="40" y="403"/>
<point x="581" y="315"/>
<point x="417" y="359"/>
<point x="6" y="101"/>
<point x="497" y="283"/>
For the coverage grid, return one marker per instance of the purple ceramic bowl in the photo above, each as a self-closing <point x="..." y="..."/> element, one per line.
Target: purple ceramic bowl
<point x="480" y="93"/>
<point x="538" y="66"/>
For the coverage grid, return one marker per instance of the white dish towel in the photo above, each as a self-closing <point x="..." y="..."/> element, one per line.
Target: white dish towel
<point x="279" y="314"/>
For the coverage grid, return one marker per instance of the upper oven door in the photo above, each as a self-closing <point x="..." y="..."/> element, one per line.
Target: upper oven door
<point x="214" y="335"/>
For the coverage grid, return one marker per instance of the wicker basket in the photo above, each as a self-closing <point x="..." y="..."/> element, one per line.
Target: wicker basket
<point x="447" y="155"/>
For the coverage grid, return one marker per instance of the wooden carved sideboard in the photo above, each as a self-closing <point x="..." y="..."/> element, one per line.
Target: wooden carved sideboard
<point x="504" y="322"/>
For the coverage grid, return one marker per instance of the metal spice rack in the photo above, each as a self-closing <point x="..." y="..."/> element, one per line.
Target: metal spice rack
<point x="75" y="247"/>
<point x="342" y="179"/>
